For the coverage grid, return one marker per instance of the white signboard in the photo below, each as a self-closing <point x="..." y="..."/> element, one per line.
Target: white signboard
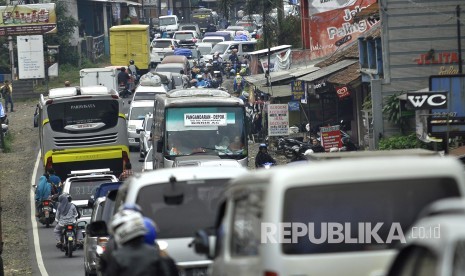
<point x="31" y="57"/>
<point x="278" y="120"/>
<point x="205" y="119"/>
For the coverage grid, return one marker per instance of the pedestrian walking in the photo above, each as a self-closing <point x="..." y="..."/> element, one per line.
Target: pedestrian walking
<point x="7" y="94"/>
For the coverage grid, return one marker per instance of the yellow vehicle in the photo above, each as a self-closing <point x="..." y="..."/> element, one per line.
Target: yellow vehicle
<point x="130" y="42"/>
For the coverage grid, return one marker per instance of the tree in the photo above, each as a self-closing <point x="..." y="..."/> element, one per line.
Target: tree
<point x="66" y="26"/>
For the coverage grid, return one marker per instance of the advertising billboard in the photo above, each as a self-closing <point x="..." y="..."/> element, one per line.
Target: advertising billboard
<point x="30" y="57"/>
<point x="28" y="19"/>
<point x="455" y="108"/>
<point x="332" y="25"/>
<point x="278" y="120"/>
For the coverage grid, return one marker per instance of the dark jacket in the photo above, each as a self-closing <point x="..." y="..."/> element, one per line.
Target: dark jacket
<point x="318" y="148"/>
<point x="263" y="158"/>
<point x="123" y="77"/>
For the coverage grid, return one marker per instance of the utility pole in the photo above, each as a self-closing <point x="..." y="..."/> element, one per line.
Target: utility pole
<point x="459" y="42"/>
<point x="280" y="8"/>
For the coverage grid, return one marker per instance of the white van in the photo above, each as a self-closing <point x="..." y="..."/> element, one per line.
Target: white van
<point x="137" y="112"/>
<point x="225" y="48"/>
<point x="168" y="23"/>
<point x="147" y="93"/>
<point x="257" y="230"/>
<point x="179" y="200"/>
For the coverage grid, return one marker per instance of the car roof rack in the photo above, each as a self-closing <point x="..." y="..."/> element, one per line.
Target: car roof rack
<point x="90" y="172"/>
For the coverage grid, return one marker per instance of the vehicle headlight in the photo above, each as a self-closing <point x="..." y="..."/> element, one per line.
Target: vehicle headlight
<point x="132" y="128"/>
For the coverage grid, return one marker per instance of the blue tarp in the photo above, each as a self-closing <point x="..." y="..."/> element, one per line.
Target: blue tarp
<point x="183" y="52"/>
<point x="241" y="37"/>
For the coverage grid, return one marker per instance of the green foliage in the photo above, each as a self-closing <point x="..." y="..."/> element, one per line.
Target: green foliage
<point x="8" y="142"/>
<point x="290" y="25"/>
<point x="367" y="104"/>
<point x="66" y="26"/>
<point x="402" y="142"/>
<point x="391" y="109"/>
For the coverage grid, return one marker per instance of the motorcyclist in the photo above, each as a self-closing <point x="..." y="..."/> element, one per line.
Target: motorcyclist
<point x="234" y="59"/>
<point x="133" y="257"/>
<point x="238" y="83"/>
<point x="200" y="81"/>
<point x="348" y="145"/>
<point x="211" y="28"/>
<point x="218" y="58"/>
<point x="43" y="192"/>
<point x="316" y="146"/>
<point x="67" y="213"/>
<point x="263" y="156"/>
<point x="132" y="70"/>
<point x="123" y="78"/>
<point x="296" y="155"/>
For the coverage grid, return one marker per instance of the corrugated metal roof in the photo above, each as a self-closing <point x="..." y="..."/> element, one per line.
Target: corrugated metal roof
<point x="260" y="80"/>
<point x="347" y="75"/>
<point x="348" y="52"/>
<point x="272" y="49"/>
<point x="323" y="72"/>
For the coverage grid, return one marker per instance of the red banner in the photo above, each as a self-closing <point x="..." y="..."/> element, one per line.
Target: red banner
<point x="332" y="26"/>
<point x="342" y="92"/>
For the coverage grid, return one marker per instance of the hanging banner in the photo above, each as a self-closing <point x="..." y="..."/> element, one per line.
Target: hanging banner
<point x="278" y="120"/>
<point x="279" y="61"/>
<point x="330" y="137"/>
<point x="30" y="57"/>
<point x="205" y="119"/>
<point x="28" y="19"/>
<point x="331" y="24"/>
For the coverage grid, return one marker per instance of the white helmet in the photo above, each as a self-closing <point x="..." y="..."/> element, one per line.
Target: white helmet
<point x="296" y="149"/>
<point x="308" y="152"/>
<point x="127" y="225"/>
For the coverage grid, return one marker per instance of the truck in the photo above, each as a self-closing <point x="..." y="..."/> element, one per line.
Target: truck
<point x="107" y="77"/>
<point x="130" y="42"/>
<point x="168" y="23"/>
<point x="203" y="17"/>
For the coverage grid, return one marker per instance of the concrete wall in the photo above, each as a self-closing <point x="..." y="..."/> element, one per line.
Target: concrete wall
<point x="73" y="11"/>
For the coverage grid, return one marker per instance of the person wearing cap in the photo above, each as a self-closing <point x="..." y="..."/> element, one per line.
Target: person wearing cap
<point x="67" y="84"/>
<point x="7" y="92"/>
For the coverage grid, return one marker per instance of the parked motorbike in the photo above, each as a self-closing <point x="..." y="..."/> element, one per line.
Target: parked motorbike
<point x="47" y="214"/>
<point x="68" y="239"/>
<point x="285" y="146"/>
<point x="4" y="123"/>
<point x="123" y="91"/>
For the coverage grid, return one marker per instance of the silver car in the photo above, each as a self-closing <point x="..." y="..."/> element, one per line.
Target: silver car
<point x="144" y="135"/>
<point x="90" y="242"/>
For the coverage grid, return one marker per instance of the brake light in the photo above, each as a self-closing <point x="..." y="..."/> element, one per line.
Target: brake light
<point x="270" y="273"/>
<point x="125" y="157"/>
<point x="70" y="227"/>
<point x="115" y="96"/>
<point x="49" y="164"/>
<point x="102" y="242"/>
<point x="45" y="203"/>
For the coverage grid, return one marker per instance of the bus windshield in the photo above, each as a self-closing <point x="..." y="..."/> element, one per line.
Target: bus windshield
<point x="82" y="116"/>
<point x="217" y="130"/>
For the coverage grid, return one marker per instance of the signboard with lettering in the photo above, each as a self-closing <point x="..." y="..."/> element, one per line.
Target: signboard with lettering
<point x="28" y="19"/>
<point x="294" y="106"/>
<point x="455" y="107"/>
<point x="331" y="24"/>
<point x="298" y="90"/>
<point x="330" y="137"/>
<point x="205" y="119"/>
<point x="278" y="120"/>
<point x="342" y="92"/>
<point x="427" y="100"/>
<point x="30" y="57"/>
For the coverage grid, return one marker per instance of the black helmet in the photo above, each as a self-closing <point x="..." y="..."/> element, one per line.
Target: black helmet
<point x="263" y="146"/>
<point x="70" y="198"/>
<point x="131" y="62"/>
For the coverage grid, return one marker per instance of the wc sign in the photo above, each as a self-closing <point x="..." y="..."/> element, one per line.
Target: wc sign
<point x="427" y="100"/>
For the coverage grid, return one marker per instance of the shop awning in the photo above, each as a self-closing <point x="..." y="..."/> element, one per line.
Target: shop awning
<point x="347" y="75"/>
<point x="260" y="80"/>
<point x="127" y="2"/>
<point x="325" y="71"/>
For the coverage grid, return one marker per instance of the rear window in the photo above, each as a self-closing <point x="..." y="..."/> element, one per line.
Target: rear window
<point x="183" y="36"/>
<point x="197" y="211"/>
<point x="168" y="69"/>
<point x="82" y="189"/>
<point x="138" y="113"/>
<point x="161" y="44"/>
<point x="387" y="202"/>
<point x="148" y="96"/>
<point x="70" y="117"/>
<point x="191" y="28"/>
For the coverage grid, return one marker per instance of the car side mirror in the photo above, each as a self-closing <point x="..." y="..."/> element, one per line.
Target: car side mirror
<point x="97" y="229"/>
<point x="203" y="245"/>
<point x="129" y="102"/>
<point x="127" y="116"/>
<point x="138" y="130"/>
<point x="90" y="202"/>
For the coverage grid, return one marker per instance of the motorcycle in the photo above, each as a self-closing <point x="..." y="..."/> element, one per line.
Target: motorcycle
<point x="123" y="91"/>
<point x="4" y="123"/>
<point x="47" y="214"/>
<point x="68" y="239"/>
<point x="267" y="165"/>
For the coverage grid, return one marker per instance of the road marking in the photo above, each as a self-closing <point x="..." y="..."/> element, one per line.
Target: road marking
<point x="35" y="233"/>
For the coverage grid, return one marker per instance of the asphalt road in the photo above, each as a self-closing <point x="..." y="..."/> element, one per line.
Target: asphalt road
<point x="54" y="260"/>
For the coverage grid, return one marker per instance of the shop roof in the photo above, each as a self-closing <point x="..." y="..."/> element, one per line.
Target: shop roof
<point x="323" y="72"/>
<point x="260" y="80"/>
<point x="347" y="75"/>
<point x="272" y="49"/>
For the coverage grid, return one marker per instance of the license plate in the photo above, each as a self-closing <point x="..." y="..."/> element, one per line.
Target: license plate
<point x="200" y="271"/>
<point x="47" y="214"/>
<point x="46" y="208"/>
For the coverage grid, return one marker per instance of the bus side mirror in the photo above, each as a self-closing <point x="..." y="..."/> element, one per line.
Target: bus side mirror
<point x="160" y="146"/>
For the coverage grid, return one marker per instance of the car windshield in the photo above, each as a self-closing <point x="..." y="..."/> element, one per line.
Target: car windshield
<point x="204" y="50"/>
<point x="198" y="209"/>
<point x="216" y="130"/>
<point x="138" y="113"/>
<point x="83" y="189"/>
<point x="183" y="36"/>
<point x="161" y="44"/>
<point x="220" y="48"/>
<point x="169" y="69"/>
<point x="167" y="21"/>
